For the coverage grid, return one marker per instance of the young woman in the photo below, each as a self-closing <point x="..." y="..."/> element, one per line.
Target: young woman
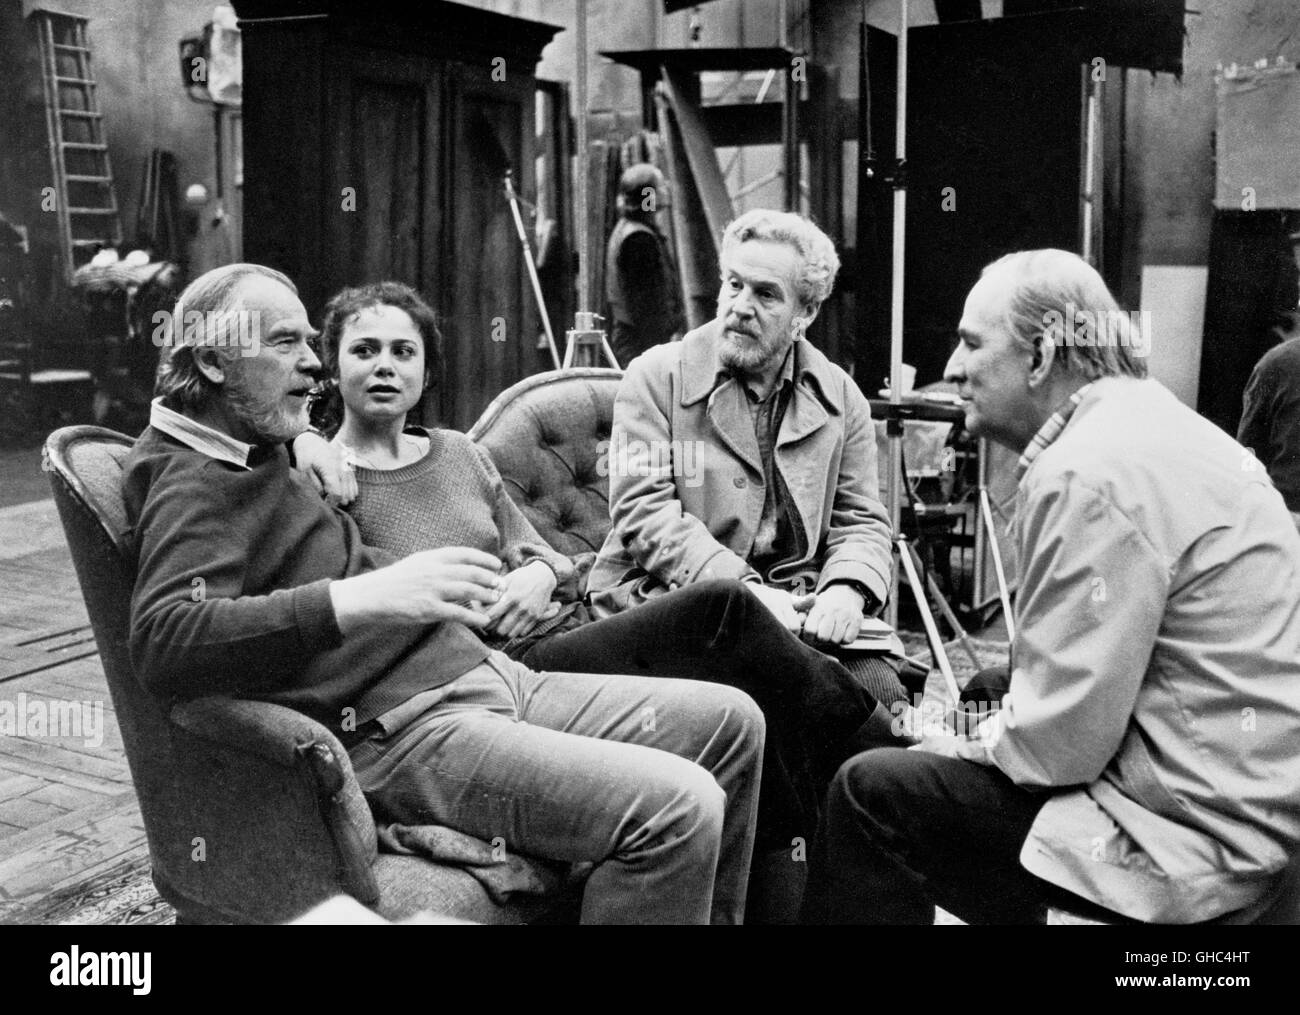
<point x="420" y="489"/>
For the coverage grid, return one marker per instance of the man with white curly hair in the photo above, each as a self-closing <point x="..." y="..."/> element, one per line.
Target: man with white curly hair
<point x="782" y="490"/>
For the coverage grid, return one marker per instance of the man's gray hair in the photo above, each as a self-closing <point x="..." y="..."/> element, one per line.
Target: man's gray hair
<point x="1058" y="296"/>
<point x="818" y="261"/>
<point x="213" y="295"/>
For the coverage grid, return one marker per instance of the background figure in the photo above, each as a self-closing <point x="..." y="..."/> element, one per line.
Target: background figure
<point x="1270" y="419"/>
<point x="641" y="283"/>
<point x="1270" y="415"/>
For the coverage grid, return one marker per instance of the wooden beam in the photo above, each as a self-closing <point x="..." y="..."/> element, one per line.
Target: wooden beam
<point x="700" y="153"/>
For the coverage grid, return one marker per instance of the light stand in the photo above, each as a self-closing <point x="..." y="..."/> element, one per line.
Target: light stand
<point x="588" y="331"/>
<point x="513" y="198"/>
<point x="1003" y="594"/>
<point x="906" y="557"/>
<point x="896" y="413"/>
<point x="894" y="419"/>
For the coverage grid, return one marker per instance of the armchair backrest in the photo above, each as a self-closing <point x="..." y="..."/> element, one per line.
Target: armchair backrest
<point x="545" y="436"/>
<point x="85" y="467"/>
<point x="268" y="792"/>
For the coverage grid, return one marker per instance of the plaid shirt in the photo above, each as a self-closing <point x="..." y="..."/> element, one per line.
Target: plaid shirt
<point x="778" y="537"/>
<point x="1049" y="431"/>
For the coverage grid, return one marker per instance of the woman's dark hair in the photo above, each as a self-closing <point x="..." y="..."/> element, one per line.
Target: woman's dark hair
<point x="327" y="408"/>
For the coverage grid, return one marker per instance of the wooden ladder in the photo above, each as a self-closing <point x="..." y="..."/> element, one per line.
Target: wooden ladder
<point x="86" y="205"/>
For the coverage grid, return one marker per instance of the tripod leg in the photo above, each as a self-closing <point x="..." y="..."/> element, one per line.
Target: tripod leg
<point x="987" y="511"/>
<point x="609" y="353"/>
<point x="931" y="631"/>
<point x="958" y="631"/>
<point x="532" y="269"/>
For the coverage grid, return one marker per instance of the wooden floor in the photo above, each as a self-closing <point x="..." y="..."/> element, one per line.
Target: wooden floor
<point x="67" y="809"/>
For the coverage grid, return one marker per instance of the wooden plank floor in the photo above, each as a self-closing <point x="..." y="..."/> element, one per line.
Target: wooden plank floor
<point x="67" y="809"/>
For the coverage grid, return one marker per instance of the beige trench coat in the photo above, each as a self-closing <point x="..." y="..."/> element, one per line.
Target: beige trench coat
<point x="686" y="478"/>
<point x="1155" y="689"/>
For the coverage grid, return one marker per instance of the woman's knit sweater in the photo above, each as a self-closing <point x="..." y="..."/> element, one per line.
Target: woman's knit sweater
<point x="454" y="496"/>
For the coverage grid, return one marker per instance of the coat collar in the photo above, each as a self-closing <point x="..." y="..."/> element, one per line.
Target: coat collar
<point x="700" y="369"/>
<point x="814" y="398"/>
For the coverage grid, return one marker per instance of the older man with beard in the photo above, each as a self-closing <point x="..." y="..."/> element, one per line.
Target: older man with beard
<point x="743" y="453"/>
<point x="250" y="585"/>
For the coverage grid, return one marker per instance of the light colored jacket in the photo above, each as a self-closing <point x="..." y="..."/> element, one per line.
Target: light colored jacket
<point x="1156" y="668"/>
<point x="686" y="479"/>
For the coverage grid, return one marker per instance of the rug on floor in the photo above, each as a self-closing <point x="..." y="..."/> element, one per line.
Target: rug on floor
<point x="989" y="653"/>
<point x="123" y="894"/>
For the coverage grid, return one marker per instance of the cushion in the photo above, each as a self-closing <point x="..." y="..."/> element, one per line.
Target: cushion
<point x="549" y="438"/>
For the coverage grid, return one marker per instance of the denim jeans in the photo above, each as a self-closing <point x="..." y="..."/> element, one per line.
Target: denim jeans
<point x="655" y="781"/>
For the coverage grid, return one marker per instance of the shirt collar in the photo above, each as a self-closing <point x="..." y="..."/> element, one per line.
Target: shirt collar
<point x="1049" y="431"/>
<point x="201" y="438"/>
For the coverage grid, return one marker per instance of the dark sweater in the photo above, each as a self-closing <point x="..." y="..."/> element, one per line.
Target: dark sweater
<point x="641" y="286"/>
<point x="232" y="591"/>
<point x="1270" y="421"/>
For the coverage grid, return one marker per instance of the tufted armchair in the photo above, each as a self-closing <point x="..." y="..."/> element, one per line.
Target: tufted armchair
<point x="544" y="435"/>
<point x="251" y="810"/>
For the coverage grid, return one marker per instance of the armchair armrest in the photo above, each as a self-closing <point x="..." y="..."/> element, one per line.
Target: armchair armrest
<point x="274" y="733"/>
<point x="273" y="798"/>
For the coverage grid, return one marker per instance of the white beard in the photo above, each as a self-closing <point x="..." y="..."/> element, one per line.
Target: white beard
<point x="748" y="358"/>
<point x="273" y="424"/>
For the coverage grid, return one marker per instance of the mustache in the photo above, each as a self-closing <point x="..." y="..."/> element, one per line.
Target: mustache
<point x="740" y="328"/>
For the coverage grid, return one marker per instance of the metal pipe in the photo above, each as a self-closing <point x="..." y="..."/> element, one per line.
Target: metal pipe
<point x="532" y="268"/>
<point x="936" y="594"/>
<point x="893" y="490"/>
<point x="927" y="618"/>
<point x="753" y="185"/>
<point x="1089" y="169"/>
<point x="581" y="169"/>
<point x="987" y="510"/>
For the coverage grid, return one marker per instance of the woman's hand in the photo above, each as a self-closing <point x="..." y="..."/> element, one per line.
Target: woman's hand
<point x="327" y="466"/>
<point x="525" y="601"/>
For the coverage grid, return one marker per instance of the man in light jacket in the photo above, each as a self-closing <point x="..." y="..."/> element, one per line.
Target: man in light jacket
<point x="742" y="452"/>
<point x="1143" y="763"/>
